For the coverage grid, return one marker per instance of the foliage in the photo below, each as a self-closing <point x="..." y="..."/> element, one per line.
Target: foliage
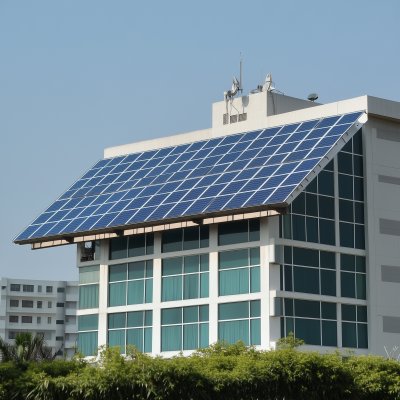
<point x="222" y="371"/>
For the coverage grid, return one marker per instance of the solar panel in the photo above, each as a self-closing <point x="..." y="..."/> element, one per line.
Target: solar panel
<point x="241" y="170"/>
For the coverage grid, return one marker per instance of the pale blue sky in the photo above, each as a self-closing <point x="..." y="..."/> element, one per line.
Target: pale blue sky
<point x="79" y="76"/>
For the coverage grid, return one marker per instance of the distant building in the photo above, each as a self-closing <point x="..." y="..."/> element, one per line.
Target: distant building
<point x="282" y="217"/>
<point x="39" y="306"/>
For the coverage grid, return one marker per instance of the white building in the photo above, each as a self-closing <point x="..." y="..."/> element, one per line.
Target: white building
<point x="39" y="306"/>
<point x="263" y="248"/>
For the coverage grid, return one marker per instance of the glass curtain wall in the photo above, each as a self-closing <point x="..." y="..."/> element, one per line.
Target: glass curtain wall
<point x="238" y="232"/>
<point x="89" y="286"/>
<point x="354" y="326"/>
<point x="131" y="246"/>
<point x="88" y="326"/>
<point x="194" y="237"/>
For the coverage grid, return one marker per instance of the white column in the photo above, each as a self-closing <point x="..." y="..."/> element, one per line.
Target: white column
<point x="213" y="285"/>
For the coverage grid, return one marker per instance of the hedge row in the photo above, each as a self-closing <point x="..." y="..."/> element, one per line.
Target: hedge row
<point x="219" y="372"/>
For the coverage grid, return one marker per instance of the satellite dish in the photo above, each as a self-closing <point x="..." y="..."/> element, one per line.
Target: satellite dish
<point x="235" y="88"/>
<point x="312" y="97"/>
<point x="268" y="83"/>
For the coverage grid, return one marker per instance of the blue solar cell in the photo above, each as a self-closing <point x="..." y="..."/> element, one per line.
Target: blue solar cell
<point x="162" y="178"/>
<point x="268" y="133"/>
<point x="57" y="228"/>
<point x="209" y="161"/>
<point x="233" y="187"/>
<point x="179" y="209"/>
<point x="297" y="137"/>
<point x="115" y="197"/>
<point x="156" y="200"/>
<point x="248" y="154"/>
<point x="79" y="184"/>
<point x="201" y="154"/>
<point x="266" y="172"/>
<point x="71" y="204"/>
<point x="237" y="165"/>
<point x="257" y="144"/>
<point x="277" y="159"/>
<point x="151" y="190"/>
<point x="145" y="182"/>
<point x="89" y="211"/>
<point x="328" y="141"/>
<point x="153" y="163"/>
<point x="189" y="184"/>
<point x="177" y="176"/>
<point x="73" y="225"/>
<point x="104" y="220"/>
<point x="142" y="214"/>
<point x="175" y="167"/>
<point x="281" y="194"/>
<point x="207" y="180"/>
<point x="160" y="212"/>
<point x="305" y="126"/>
<point x="59" y="215"/>
<point x="193" y="194"/>
<point x="286" y="148"/>
<point x="115" y="161"/>
<point x="218" y="203"/>
<point x="328" y="121"/>
<point x="307" y="165"/>
<point x="338" y="130"/>
<point x="241" y="146"/>
<point x="246" y="174"/>
<point x="164" y="152"/>
<point x="27" y="232"/>
<point x="123" y="217"/>
<point x="109" y="179"/>
<point x="137" y="203"/>
<point x="104" y="171"/>
<point x="274" y="181"/>
<point x="131" y="157"/>
<point x="81" y="192"/>
<point x="96" y="190"/>
<point x="286" y="168"/>
<point x="175" y="196"/>
<point x="231" y="139"/>
<point x="230" y="157"/>
<point x="120" y="168"/>
<point x="350" y="118"/>
<point x="317" y="133"/>
<point x="319" y="152"/>
<point x="101" y="163"/>
<point x="296" y="178"/>
<point x="169" y="187"/>
<point x="140" y="174"/>
<point x="238" y="200"/>
<point x="90" y="174"/>
<point x="221" y="150"/>
<point x="120" y="205"/>
<point x="253" y="184"/>
<point x="297" y="155"/>
<point x="135" y="166"/>
<point x="103" y="209"/>
<point x="307" y="144"/>
<point x="185" y="157"/>
<point x="212" y="143"/>
<point x="147" y="155"/>
<point x="227" y="177"/>
<point x="74" y="213"/>
<point x="168" y="160"/>
<point x="42" y="218"/>
<point x="68" y="194"/>
<point x="258" y="162"/>
<point x="100" y="199"/>
<point x="268" y="151"/>
<point x="42" y="231"/>
<point x="128" y="185"/>
<point x="87" y="201"/>
<point x="219" y="168"/>
<point x="199" y="172"/>
<point x="94" y="181"/>
<point x="197" y="207"/>
<point x="251" y="136"/>
<point x="196" y="146"/>
<point x="124" y="177"/>
<point x="258" y="198"/>
<point x="213" y="190"/>
<point x="156" y="171"/>
<point x="278" y="140"/>
<point x="288" y="129"/>
<point x="89" y="223"/>
<point x="179" y="149"/>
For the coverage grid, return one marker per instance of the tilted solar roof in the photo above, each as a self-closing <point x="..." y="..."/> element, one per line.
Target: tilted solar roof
<point x="240" y="171"/>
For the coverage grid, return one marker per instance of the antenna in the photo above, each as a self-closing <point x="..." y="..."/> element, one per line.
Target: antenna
<point x="241" y="81"/>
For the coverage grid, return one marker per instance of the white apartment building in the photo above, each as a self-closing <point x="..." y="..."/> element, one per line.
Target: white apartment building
<point x="39" y="306"/>
<point x="282" y="217"/>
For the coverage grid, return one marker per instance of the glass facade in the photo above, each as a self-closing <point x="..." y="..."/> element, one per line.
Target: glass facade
<point x="194" y="237"/>
<point x="88" y="326"/>
<point x="88" y="287"/>
<point x="239" y="232"/>
<point x="354" y="326"/>
<point x="131" y="246"/>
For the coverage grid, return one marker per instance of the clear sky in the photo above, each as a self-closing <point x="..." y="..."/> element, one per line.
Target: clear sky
<point x="79" y="76"/>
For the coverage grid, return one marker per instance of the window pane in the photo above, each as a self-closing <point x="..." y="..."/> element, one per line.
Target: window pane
<point x="172" y="288"/>
<point x="358" y="165"/>
<point x="255" y="280"/>
<point x="204" y="336"/>
<point x="118" y="248"/>
<point x="360" y="238"/>
<point x="233" y="232"/>
<point x="361" y="286"/>
<point x="329" y="333"/>
<point x="358" y="189"/>
<point x="360" y="264"/>
<point x="88" y="322"/>
<point x="117" y="338"/>
<point x="135" y="337"/>
<point x="136" y="292"/>
<point x="116" y="320"/>
<point x="172" y="240"/>
<point x="190" y="286"/>
<point x="299" y="204"/>
<point x="359" y="212"/>
<point x="357" y="142"/>
<point x="325" y="183"/>
<point x="306" y="280"/>
<point x="148" y="338"/>
<point x="86" y="275"/>
<point x="345" y="163"/>
<point x="362" y="336"/>
<point x="190" y="337"/>
<point x="328" y="310"/>
<point x="312" y="186"/>
<point x="299" y="228"/>
<point x="204" y="285"/>
<point x="312" y="229"/>
<point x="307" y="309"/>
<point x="137" y="245"/>
<point x="87" y="343"/>
<point x="361" y="313"/>
<point x="346" y="234"/>
<point x="135" y="319"/>
<point x="149" y="290"/>
<point x="345" y="187"/>
<point x="346" y="211"/>
<point x="136" y="270"/>
<point x="349" y="335"/>
<point x="327" y="232"/>
<point x="191" y="264"/>
<point x="233" y="310"/>
<point x="348" y="312"/>
<point x="289" y="307"/>
<point x="255" y="256"/>
<point x="190" y="314"/>
<point x="288" y="278"/>
<point x="347" y="285"/>
<point x="326" y="207"/>
<point x="191" y="238"/>
<point x="327" y="259"/>
<point x="348" y="147"/>
<point x="118" y="272"/>
<point x="311" y="205"/>
<point x="171" y="316"/>
<point x="255" y="331"/>
<point x="204" y="236"/>
<point x="328" y="283"/>
<point x="329" y="166"/>
<point x="287" y="254"/>
<point x="172" y="266"/>
<point x="308" y="330"/>
<point x="289" y="326"/>
<point x="306" y="257"/>
<point x="171" y="338"/>
<point x="255" y="308"/>
<point x="347" y="262"/>
<point x="149" y="243"/>
<point x="204" y="262"/>
<point x="204" y="313"/>
<point x="117" y="294"/>
<point x="149" y="268"/>
<point x="233" y="259"/>
<point x="148" y="318"/>
<point x="254" y="230"/>
<point x="235" y="281"/>
<point x="233" y="331"/>
<point x="287" y="231"/>
<point x="88" y="296"/>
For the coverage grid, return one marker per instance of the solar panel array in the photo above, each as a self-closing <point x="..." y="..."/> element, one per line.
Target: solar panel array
<point x="230" y="172"/>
